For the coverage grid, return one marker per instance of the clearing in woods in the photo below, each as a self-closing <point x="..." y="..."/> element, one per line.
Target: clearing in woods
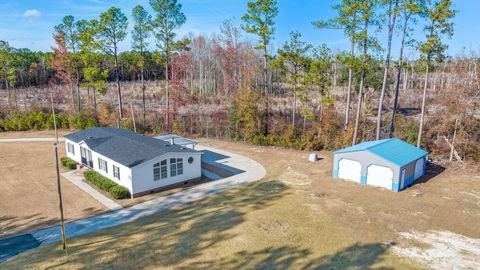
<point x="297" y="218"/>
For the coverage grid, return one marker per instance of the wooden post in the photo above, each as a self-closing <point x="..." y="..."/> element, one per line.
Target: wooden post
<point x="133" y="117"/>
<point x="452" y="148"/>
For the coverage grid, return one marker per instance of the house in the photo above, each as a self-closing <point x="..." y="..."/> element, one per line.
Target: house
<point x="142" y="164"/>
<point x="391" y="163"/>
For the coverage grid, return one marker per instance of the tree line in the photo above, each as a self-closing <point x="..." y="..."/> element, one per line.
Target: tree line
<point x="300" y="95"/>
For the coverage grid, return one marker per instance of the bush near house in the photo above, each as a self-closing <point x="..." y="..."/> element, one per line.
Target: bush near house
<point x="105" y="184"/>
<point x="119" y="192"/>
<point x="68" y="163"/>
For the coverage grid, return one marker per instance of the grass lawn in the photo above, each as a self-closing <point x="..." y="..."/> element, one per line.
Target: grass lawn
<point x="298" y="217"/>
<point x="265" y="225"/>
<point x="28" y="197"/>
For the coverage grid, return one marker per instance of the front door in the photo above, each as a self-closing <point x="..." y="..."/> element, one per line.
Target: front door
<point x="86" y="157"/>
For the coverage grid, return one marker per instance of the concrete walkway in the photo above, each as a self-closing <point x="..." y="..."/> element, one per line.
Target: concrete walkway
<point x="249" y="171"/>
<point x="77" y="180"/>
<point x="31" y="140"/>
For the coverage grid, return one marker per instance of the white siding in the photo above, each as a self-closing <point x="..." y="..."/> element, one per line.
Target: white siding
<point x="125" y="172"/>
<point x="140" y="177"/>
<point x="75" y="157"/>
<point x="143" y="173"/>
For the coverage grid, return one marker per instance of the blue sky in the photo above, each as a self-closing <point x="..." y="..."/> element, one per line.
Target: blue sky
<point x="29" y="23"/>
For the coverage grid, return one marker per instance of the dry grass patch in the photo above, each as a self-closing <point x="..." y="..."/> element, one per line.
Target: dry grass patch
<point x="258" y="226"/>
<point x="33" y="134"/>
<point x="28" y="187"/>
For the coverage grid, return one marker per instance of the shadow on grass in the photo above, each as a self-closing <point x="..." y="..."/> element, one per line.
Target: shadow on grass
<point x="164" y="239"/>
<point x="357" y="256"/>
<point x="10" y="225"/>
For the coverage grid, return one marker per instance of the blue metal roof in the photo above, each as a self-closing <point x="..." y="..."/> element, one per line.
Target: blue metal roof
<point x="393" y="150"/>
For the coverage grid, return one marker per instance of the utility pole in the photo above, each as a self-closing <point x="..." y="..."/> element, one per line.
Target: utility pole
<point x="59" y="188"/>
<point x="54" y="119"/>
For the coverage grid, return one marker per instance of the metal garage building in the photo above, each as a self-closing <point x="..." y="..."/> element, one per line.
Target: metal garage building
<point x="390" y="163"/>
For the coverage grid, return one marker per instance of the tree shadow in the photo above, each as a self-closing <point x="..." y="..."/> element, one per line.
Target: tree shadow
<point x="11" y="225"/>
<point x="166" y="238"/>
<point x="358" y="256"/>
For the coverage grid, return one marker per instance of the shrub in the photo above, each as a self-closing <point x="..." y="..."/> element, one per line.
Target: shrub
<point x="105" y="184"/>
<point x="34" y="120"/>
<point x="119" y="192"/>
<point x="81" y="121"/>
<point x="68" y="163"/>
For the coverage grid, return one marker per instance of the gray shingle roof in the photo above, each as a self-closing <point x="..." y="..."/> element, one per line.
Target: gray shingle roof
<point x="123" y="146"/>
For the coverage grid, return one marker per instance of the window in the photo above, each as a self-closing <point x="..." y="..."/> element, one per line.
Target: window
<point x="176" y="166"/>
<point x="160" y="170"/>
<point x="190" y="160"/>
<point x="102" y="165"/>
<point x="116" y="172"/>
<point x="71" y="148"/>
<point x="164" y="169"/>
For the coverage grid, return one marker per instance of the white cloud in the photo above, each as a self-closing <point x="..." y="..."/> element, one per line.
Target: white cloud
<point x="31" y="13"/>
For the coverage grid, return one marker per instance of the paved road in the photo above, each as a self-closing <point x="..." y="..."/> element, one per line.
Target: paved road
<point x="244" y="170"/>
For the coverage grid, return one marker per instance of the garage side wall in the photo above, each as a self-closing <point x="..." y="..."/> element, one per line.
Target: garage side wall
<point x="366" y="159"/>
<point x="410" y="172"/>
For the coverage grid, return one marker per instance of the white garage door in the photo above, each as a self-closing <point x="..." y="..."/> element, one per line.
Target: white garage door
<point x="379" y="176"/>
<point x="419" y="168"/>
<point x="349" y="170"/>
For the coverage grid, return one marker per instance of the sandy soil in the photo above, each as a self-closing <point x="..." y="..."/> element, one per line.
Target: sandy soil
<point x="29" y="199"/>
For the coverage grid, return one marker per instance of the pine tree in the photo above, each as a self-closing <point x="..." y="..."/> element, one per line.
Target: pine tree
<point x="349" y="19"/>
<point x="408" y="10"/>
<point x="168" y="17"/>
<point x="439" y="16"/>
<point x="392" y="13"/>
<point x="259" y="20"/>
<point x="69" y="32"/>
<point x="112" y="29"/>
<point x="292" y="60"/>
<point x="142" y="29"/>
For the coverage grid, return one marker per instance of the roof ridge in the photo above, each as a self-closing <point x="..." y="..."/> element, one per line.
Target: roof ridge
<point x="378" y="144"/>
<point x="129" y="138"/>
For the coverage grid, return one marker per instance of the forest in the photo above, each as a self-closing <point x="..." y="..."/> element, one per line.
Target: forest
<point x="228" y="86"/>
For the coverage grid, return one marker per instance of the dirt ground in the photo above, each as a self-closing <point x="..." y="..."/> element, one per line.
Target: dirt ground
<point x="33" y="134"/>
<point x="298" y="217"/>
<point x="28" y="197"/>
<point x="445" y="199"/>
